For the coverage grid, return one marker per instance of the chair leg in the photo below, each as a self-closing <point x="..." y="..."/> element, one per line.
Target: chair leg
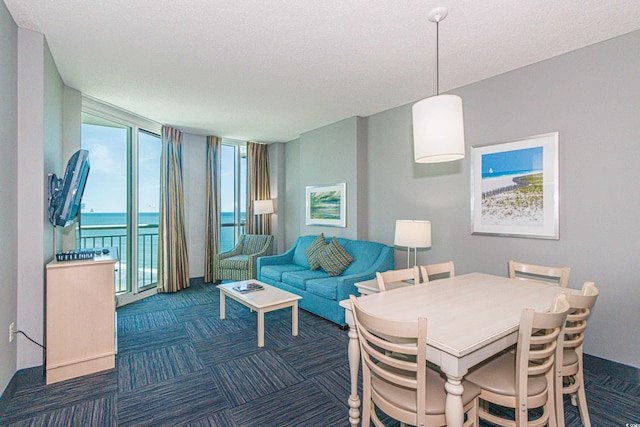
<point x="473" y="416"/>
<point x="582" y="401"/>
<point x="367" y="403"/>
<point x="559" y="400"/>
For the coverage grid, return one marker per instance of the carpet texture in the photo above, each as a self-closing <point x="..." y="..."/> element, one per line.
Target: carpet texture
<point x="178" y="364"/>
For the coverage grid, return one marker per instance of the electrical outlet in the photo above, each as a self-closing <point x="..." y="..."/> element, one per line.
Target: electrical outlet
<point x="12" y="331"/>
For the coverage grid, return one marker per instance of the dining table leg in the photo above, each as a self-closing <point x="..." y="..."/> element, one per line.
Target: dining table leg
<point x="354" y="368"/>
<point x="454" y="409"/>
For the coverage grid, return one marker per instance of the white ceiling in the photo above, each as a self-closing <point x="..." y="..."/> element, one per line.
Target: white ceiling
<point x="268" y="70"/>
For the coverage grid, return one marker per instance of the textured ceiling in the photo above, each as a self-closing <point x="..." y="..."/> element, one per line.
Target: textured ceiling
<point x="268" y="70"/>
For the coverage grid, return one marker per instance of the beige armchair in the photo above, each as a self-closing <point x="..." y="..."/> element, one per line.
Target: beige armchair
<point x="240" y="262"/>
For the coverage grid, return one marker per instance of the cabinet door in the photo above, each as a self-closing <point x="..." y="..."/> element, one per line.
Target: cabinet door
<point x="80" y="318"/>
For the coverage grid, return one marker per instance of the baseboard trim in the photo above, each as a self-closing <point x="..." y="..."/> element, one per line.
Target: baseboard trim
<point x="611" y="368"/>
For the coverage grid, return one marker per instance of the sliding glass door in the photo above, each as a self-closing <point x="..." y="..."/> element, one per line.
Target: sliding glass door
<point x="121" y="198"/>
<point x="233" y="192"/>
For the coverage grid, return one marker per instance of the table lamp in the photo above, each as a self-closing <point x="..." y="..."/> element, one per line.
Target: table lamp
<point x="413" y="234"/>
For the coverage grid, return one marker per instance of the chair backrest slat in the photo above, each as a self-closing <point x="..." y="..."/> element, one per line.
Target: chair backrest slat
<point x="581" y="305"/>
<point x="437" y="271"/>
<point x="539" y="273"/>
<point x="540" y="343"/>
<point x="396" y="276"/>
<point x="395" y="351"/>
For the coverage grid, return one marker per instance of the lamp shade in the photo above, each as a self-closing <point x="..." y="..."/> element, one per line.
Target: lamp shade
<point x="261" y="207"/>
<point x="438" y="129"/>
<point x="413" y="233"/>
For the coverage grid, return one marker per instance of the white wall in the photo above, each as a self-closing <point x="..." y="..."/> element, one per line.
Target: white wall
<point x="592" y="98"/>
<point x="194" y="166"/>
<point x="8" y="190"/>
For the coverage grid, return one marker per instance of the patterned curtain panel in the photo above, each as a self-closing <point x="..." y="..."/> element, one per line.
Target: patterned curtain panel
<point x="173" y="263"/>
<point x="212" y="236"/>
<point x="258" y="181"/>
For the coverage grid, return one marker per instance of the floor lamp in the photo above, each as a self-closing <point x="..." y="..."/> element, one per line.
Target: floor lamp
<point x="413" y="234"/>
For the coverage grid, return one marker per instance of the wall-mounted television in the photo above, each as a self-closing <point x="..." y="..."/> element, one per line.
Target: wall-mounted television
<point x="65" y="194"/>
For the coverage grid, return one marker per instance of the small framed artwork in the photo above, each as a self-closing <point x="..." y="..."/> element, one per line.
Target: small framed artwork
<point x="327" y="205"/>
<point x="514" y="188"/>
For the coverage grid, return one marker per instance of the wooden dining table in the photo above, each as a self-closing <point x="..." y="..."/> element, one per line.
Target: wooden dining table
<point x="471" y="317"/>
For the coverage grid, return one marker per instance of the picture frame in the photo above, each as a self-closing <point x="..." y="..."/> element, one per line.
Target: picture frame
<point x="327" y="205"/>
<point x="514" y="188"/>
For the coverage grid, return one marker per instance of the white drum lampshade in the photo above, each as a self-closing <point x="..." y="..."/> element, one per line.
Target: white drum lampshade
<point x="438" y="129"/>
<point x="413" y="234"/>
<point x="261" y="207"/>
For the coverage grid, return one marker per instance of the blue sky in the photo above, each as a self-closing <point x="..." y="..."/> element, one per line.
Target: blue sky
<point x="106" y="188"/>
<point x="528" y="159"/>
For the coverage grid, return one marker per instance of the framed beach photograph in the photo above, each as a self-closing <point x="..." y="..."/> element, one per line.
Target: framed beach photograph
<point x="514" y="188"/>
<point x="327" y="205"/>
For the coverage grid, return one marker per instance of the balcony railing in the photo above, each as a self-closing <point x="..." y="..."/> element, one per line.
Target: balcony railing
<point x="101" y="236"/>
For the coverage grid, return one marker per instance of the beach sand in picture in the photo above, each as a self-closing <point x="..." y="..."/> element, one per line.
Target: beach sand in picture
<point x="518" y="207"/>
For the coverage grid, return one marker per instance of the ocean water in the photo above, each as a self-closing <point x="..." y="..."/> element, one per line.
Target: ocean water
<point x="108" y="229"/>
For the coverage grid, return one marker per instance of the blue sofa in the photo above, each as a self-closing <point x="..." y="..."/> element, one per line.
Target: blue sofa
<point x="321" y="294"/>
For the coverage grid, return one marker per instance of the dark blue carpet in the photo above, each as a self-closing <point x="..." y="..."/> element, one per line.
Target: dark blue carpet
<point x="178" y="364"/>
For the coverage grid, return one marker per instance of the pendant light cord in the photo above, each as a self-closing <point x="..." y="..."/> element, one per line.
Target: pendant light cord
<point x="437" y="57"/>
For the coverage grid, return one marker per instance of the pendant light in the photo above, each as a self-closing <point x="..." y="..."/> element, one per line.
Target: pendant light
<point x="438" y="126"/>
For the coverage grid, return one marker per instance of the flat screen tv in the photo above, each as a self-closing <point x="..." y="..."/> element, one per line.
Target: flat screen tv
<point x="65" y="194"/>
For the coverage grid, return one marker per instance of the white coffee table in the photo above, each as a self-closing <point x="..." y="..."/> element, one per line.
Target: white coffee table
<point x="263" y="301"/>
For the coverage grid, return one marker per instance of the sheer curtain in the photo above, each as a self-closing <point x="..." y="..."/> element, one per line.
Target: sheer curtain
<point x="258" y="183"/>
<point x="212" y="243"/>
<point x="173" y="263"/>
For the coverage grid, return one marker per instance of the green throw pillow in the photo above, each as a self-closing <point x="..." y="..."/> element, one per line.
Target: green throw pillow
<point x="334" y="259"/>
<point x="312" y="251"/>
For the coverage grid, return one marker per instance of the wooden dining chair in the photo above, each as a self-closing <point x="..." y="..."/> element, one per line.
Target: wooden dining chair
<point x="395" y="376"/>
<point x="525" y="379"/>
<point x="539" y="273"/>
<point x="441" y="270"/>
<point x="396" y="276"/>
<point x="571" y="379"/>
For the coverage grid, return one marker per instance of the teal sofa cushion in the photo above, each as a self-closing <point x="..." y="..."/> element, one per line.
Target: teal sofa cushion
<point x="299" y="278"/>
<point x="325" y="288"/>
<point x="274" y="272"/>
<point x="364" y="255"/>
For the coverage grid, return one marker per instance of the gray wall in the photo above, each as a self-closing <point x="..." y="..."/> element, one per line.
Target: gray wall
<point x="39" y="141"/>
<point x="8" y="189"/>
<point x="327" y="155"/>
<point x="592" y="98"/>
<point x="294" y="198"/>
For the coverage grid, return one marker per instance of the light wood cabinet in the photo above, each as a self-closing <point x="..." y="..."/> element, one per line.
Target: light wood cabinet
<point x="80" y="317"/>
